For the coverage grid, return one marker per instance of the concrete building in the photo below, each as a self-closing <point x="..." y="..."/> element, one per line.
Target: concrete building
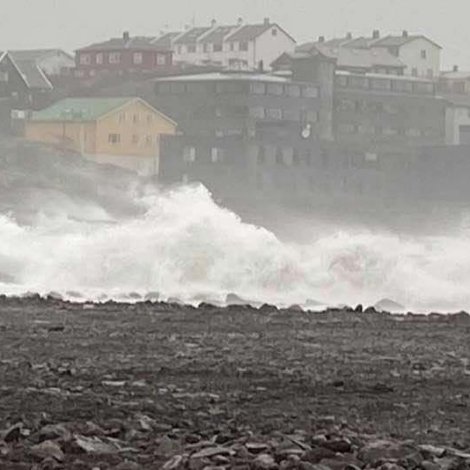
<point x="124" y="132"/>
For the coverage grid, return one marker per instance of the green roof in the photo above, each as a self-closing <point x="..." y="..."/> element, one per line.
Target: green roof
<point x="80" y="109"/>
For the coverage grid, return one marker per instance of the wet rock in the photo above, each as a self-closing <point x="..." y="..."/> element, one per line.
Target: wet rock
<point x="48" y="449"/>
<point x="384" y="450"/>
<point x="94" y="445"/>
<point x="264" y="462"/>
<point x="53" y="432"/>
<point x="256" y="448"/>
<point x="211" y="452"/>
<point x="13" y="433"/>
<point x="338" y="445"/>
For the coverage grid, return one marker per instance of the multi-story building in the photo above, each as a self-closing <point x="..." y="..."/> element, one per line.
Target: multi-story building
<point x="124" y="56"/>
<point x="419" y="55"/>
<point x="317" y="134"/>
<point x="240" y="46"/>
<point x="235" y="125"/>
<point x="124" y="132"/>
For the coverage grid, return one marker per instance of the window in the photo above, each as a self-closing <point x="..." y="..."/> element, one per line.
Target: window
<point x="217" y="47"/>
<point x="217" y="155"/>
<point x="161" y="59"/>
<point x="85" y="59"/>
<point x="293" y="91"/>
<point x="423" y="87"/>
<point x="279" y="156"/>
<point x="232" y="46"/>
<point x="379" y="84"/>
<point x="3" y="76"/>
<point x="274" y="113"/>
<point x="99" y="58"/>
<point x="178" y="88"/>
<point x="189" y="154"/>
<point x="274" y="32"/>
<point x="192" y="49"/>
<point x="257" y="112"/>
<point x="424" y="54"/>
<point x="342" y="81"/>
<point x="288" y="156"/>
<point x="114" y="58"/>
<point x="135" y="118"/>
<point x="292" y="115"/>
<point x="122" y="118"/>
<point x="261" y="155"/>
<point x="148" y="141"/>
<point x="402" y="85"/>
<point x="138" y="58"/>
<point x="414" y="72"/>
<point x="114" y="139"/>
<point x="358" y="82"/>
<point x="310" y="92"/>
<point x="258" y="88"/>
<point x="206" y="48"/>
<point x="275" y="89"/>
<point x="135" y="139"/>
<point x="244" y="46"/>
<point x="346" y="105"/>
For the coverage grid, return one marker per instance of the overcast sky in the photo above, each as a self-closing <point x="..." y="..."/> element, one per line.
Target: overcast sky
<point x="69" y="24"/>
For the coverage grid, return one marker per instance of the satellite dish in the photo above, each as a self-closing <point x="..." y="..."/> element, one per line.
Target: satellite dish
<point x="306" y="131"/>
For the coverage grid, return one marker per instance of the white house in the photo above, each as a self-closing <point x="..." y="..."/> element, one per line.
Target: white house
<point x="420" y="55"/>
<point x="51" y="61"/>
<point x="240" y="46"/>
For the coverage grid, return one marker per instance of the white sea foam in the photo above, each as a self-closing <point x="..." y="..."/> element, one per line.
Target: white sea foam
<point x="184" y="245"/>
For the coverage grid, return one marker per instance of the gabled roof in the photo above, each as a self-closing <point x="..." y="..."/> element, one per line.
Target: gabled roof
<point x="192" y="35"/>
<point x="137" y="43"/>
<point x="87" y="109"/>
<point x="250" y="32"/>
<point x="398" y="41"/>
<point x="218" y="35"/>
<point x="361" y="42"/>
<point x="38" y="54"/>
<point x="166" y="40"/>
<point x="30" y="72"/>
<point x="352" y="58"/>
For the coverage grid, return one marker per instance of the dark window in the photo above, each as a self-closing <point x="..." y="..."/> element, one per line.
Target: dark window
<point x="424" y="54"/>
<point x="275" y="89"/>
<point x="279" y="156"/>
<point x="178" y="88"/>
<point x="217" y="47"/>
<point x="114" y="138"/>
<point x="191" y="49"/>
<point x="261" y="155"/>
<point x="274" y="32"/>
<point x="293" y="91"/>
<point x="310" y="92"/>
<point x="243" y="46"/>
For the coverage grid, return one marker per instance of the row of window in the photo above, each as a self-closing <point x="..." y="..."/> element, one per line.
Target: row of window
<point x="384" y="84"/>
<point x="147" y="141"/>
<point x="135" y="118"/>
<point x="206" y="48"/>
<point x="367" y="106"/>
<point x="368" y="129"/>
<point x="295" y="115"/>
<point x="101" y="58"/>
<point x="256" y="88"/>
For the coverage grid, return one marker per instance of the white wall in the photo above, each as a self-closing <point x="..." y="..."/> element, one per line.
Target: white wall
<point x="268" y="47"/>
<point x="410" y="55"/>
<point x="456" y="117"/>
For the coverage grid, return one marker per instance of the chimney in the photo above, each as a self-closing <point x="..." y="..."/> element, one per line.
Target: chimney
<point x="456" y="68"/>
<point x="321" y="39"/>
<point x="405" y="33"/>
<point x="240" y="21"/>
<point x="375" y="34"/>
<point x="267" y="22"/>
<point x="349" y="36"/>
<point x="125" y="35"/>
<point x="213" y="23"/>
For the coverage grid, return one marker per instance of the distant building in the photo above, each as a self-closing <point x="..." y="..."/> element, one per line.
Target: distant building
<point x="237" y="47"/>
<point x="455" y="82"/>
<point x="124" y="132"/>
<point x="419" y="55"/>
<point x="241" y="133"/>
<point x="124" y="55"/>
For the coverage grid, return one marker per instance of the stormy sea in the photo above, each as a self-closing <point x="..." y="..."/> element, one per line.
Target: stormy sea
<point x="91" y="232"/>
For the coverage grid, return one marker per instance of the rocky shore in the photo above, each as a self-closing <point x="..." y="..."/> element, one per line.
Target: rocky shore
<point x="163" y="386"/>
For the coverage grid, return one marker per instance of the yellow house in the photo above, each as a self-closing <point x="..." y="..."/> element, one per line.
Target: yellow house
<point x="119" y="131"/>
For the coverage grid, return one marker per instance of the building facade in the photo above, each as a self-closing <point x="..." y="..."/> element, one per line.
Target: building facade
<point x="123" y="56"/>
<point x="124" y="132"/>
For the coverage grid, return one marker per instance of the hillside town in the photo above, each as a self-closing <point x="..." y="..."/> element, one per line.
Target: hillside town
<point x="251" y="113"/>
